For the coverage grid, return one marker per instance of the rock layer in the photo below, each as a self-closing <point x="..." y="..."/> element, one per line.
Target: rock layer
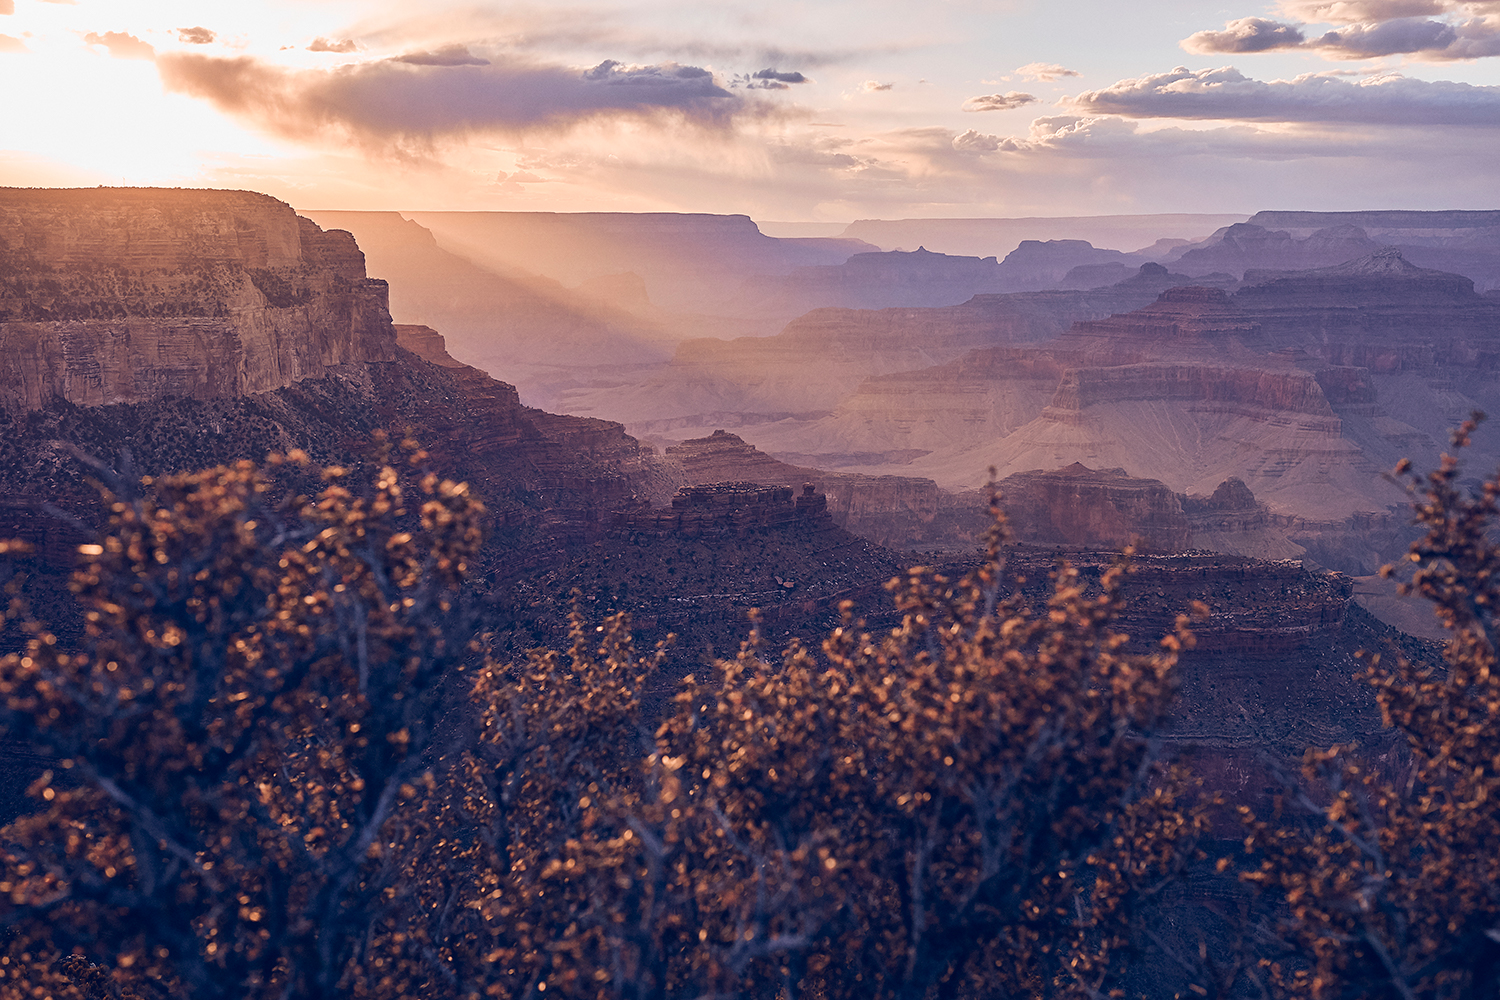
<point x="132" y="295"/>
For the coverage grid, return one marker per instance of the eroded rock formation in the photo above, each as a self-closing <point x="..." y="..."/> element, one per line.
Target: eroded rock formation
<point x="132" y="295"/>
<point x="901" y="512"/>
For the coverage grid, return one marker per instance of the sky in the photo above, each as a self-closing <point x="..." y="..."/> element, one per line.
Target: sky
<point x="791" y="110"/>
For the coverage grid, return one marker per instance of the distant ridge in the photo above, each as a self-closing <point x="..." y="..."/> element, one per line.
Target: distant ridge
<point x="1382" y="219"/>
<point x="998" y="237"/>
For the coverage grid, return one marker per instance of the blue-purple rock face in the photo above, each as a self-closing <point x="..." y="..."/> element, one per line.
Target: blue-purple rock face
<point x="130" y="295"/>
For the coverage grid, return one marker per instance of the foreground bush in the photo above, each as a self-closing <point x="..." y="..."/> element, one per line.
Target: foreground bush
<point x="1391" y="881"/>
<point x="262" y="790"/>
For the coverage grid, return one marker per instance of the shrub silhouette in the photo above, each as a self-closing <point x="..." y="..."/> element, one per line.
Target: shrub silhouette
<point x="1391" y="881"/>
<point x="260" y="790"/>
<point x="254" y="699"/>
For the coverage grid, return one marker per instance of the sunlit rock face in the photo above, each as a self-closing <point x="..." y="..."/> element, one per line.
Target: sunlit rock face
<point x="117" y="295"/>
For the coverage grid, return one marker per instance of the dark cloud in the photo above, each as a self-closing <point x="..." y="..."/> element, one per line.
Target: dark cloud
<point x="772" y="79"/>
<point x="195" y="36"/>
<point x="121" y="45"/>
<point x="448" y="55"/>
<point x="1228" y="94"/>
<point x="767" y="79"/>
<point x="1045" y="72"/>
<point x="399" y="104"/>
<point x="999" y="102"/>
<point x="1248" y="34"/>
<point x="9" y="44"/>
<point x="329" y="45"/>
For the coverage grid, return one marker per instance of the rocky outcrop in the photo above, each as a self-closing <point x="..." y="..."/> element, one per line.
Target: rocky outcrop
<point x="1104" y="508"/>
<point x="133" y="295"/>
<point x="1181" y="321"/>
<point x="1466" y="243"/>
<point x="1037" y="264"/>
<point x="1243" y="247"/>
<point x="727" y="509"/>
<point x="901" y="512"/>
<point x="426" y="343"/>
<point x="1379" y="312"/>
<point x="1079" y="507"/>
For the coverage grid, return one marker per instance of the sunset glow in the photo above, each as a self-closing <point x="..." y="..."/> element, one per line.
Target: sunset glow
<point x="828" y="112"/>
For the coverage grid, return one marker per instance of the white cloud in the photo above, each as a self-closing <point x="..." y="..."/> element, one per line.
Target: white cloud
<point x="1227" y="94"/>
<point x="1248" y="34"/>
<point x="121" y="45"/>
<point x="999" y="102"/>
<point x="1045" y="72"/>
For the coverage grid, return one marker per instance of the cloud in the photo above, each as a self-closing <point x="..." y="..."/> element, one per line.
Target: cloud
<point x="767" y="79"/>
<point x="976" y="142"/>
<point x="1248" y="34"/>
<point x="1106" y="137"/>
<point x="1369" y="29"/>
<point x="1426" y="39"/>
<point x="9" y="44"/>
<point x="448" y="55"/>
<point x="874" y="86"/>
<point x="403" y="105"/>
<point x="779" y="77"/>
<point x="321" y="44"/>
<point x="999" y="102"/>
<point x="1353" y="11"/>
<point x="1227" y="94"/>
<point x="195" y="36"/>
<point x="7" y="6"/>
<point x="1045" y="72"/>
<point x="121" y="45"/>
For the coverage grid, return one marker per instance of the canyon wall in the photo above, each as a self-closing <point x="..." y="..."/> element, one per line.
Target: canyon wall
<point x="131" y="295"/>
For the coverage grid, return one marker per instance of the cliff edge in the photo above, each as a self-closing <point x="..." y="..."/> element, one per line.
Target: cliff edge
<point x="129" y="295"/>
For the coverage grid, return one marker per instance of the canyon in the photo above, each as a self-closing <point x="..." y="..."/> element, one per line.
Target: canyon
<point x="1227" y="437"/>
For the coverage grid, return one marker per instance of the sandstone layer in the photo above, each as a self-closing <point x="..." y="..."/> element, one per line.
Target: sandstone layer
<point x="131" y="295"/>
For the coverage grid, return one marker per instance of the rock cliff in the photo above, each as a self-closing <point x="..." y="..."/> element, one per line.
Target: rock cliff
<point x="901" y="512"/>
<point x="1104" y="508"/>
<point x="1379" y="312"/>
<point x="132" y="295"/>
<point x="1079" y="507"/>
